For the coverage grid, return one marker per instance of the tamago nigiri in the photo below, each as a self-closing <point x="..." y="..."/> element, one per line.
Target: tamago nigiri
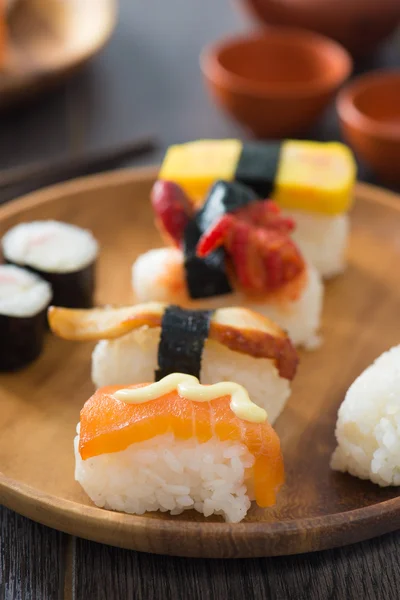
<point x="177" y="445"/>
<point x="311" y="181"/>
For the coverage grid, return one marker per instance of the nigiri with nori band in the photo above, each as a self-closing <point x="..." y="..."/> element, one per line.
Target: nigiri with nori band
<point x="153" y="447"/>
<point x="313" y="182"/>
<point x="151" y="341"/>
<point x="298" y="174"/>
<point x="235" y="250"/>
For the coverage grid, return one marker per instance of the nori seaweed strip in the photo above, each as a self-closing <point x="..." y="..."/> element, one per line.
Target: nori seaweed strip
<point x="224" y="197"/>
<point x="258" y="165"/>
<point x="21" y="340"/>
<point x="206" y="277"/>
<point x="183" y="333"/>
<point x="73" y="289"/>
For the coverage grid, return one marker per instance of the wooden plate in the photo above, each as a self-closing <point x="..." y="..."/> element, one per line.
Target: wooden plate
<point x="49" y="39"/>
<point x="317" y="508"/>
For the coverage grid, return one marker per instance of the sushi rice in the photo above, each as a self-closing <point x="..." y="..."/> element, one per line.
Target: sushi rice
<point x="155" y="272"/>
<point x="322" y="240"/>
<point x="368" y="426"/>
<point x="24" y="298"/>
<point x="50" y="246"/>
<point x="133" y="359"/>
<point x="22" y="293"/>
<point x="169" y="474"/>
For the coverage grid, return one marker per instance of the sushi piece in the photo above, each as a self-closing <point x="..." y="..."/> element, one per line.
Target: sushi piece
<point x="177" y="445"/>
<point x="63" y="254"/>
<point x="311" y="181"/>
<point x="367" y="429"/>
<point x="151" y="341"/>
<point x="24" y="299"/>
<point x="235" y="250"/>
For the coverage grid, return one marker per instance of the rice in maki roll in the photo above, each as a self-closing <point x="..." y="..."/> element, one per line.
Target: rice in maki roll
<point x="24" y="298"/>
<point x="63" y="254"/>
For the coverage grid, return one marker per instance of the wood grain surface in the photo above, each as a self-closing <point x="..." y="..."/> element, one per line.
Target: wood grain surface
<point x="24" y="573"/>
<point x="317" y="508"/>
<point x="359" y="571"/>
<point x="147" y="79"/>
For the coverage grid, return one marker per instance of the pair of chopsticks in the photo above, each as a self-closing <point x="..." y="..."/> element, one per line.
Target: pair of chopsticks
<point x="83" y="164"/>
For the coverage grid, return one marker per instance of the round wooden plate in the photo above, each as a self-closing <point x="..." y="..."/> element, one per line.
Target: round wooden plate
<point x="317" y="508"/>
<point x="48" y="39"/>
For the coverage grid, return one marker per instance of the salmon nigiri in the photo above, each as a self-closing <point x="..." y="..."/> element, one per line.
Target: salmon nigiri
<point x="175" y="445"/>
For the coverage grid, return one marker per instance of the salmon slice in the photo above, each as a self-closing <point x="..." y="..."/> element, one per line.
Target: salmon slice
<point x="110" y="425"/>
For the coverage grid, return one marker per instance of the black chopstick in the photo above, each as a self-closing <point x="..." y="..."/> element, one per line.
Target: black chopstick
<point x="74" y="166"/>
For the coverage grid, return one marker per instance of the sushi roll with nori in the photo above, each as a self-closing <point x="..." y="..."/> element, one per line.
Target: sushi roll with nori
<point x="151" y="341"/>
<point x="237" y="250"/>
<point x="313" y="182"/>
<point x="63" y="254"/>
<point x="24" y="298"/>
<point x="177" y="445"/>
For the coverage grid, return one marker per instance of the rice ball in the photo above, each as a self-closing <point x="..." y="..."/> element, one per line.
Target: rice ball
<point x="368" y="426"/>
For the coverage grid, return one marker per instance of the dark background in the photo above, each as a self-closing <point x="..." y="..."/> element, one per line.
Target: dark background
<point x="147" y="80"/>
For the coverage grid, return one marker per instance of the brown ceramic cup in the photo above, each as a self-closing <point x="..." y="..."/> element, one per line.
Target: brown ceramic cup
<point x="277" y="83"/>
<point x="369" y="113"/>
<point x="359" y="25"/>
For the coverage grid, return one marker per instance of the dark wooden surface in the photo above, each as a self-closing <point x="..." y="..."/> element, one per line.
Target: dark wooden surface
<point x="147" y="81"/>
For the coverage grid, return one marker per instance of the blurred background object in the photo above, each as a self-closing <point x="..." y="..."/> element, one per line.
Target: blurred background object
<point x="44" y="40"/>
<point x="360" y="25"/>
<point x="276" y="83"/>
<point x="369" y="112"/>
<point x="146" y="80"/>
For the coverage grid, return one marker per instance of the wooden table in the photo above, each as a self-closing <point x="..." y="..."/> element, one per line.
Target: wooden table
<point x="148" y="81"/>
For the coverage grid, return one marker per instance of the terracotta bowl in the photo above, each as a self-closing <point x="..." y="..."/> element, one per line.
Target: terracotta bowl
<point x="369" y="112"/>
<point x="276" y="83"/>
<point x="360" y="25"/>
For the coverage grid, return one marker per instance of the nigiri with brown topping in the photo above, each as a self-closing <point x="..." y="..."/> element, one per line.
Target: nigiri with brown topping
<point x="150" y="341"/>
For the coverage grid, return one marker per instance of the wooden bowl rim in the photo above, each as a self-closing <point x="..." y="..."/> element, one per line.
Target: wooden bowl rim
<point x="15" y="86"/>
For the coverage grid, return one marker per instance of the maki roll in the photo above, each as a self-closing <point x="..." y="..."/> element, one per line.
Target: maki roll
<point x="177" y="445"/>
<point x="235" y="250"/>
<point x="24" y="298"/>
<point x="311" y="181"/>
<point x="63" y="254"/>
<point x="151" y="341"/>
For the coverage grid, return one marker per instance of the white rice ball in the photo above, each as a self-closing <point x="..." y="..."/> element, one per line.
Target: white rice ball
<point x="368" y="426"/>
